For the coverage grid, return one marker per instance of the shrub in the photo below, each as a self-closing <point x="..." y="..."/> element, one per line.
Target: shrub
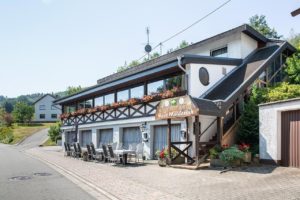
<point x="215" y="152"/>
<point x="54" y="132"/>
<point x="6" y="135"/>
<point x="232" y="154"/>
<point x="23" y="113"/>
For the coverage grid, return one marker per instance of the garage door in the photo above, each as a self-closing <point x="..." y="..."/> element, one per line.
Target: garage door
<point x="105" y="137"/>
<point x="290" y="138"/>
<point x="160" y="136"/>
<point x="86" y="138"/>
<point x="131" y="135"/>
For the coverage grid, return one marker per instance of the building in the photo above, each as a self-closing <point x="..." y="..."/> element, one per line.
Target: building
<point x="279" y="131"/>
<point x="45" y="111"/>
<point x="213" y="76"/>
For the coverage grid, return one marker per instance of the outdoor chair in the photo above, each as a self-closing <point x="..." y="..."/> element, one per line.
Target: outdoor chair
<point x="139" y="152"/>
<point x="75" y="153"/>
<point x="67" y="153"/>
<point x="69" y="150"/>
<point x="94" y="153"/>
<point x="79" y="150"/>
<point x="133" y="148"/>
<point x="112" y="156"/>
<point x="105" y="153"/>
<point x="90" y="154"/>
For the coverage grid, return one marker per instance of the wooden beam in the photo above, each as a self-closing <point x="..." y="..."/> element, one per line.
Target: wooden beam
<point x="220" y="125"/>
<point x="169" y="140"/>
<point x="197" y="133"/>
<point x="187" y="132"/>
<point x="295" y="12"/>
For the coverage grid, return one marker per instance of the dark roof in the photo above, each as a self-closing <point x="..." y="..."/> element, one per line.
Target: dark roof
<point x="207" y="107"/>
<point x="168" y="60"/>
<point x="185" y="59"/>
<point x="173" y="55"/>
<point x="280" y="102"/>
<point x="43" y="97"/>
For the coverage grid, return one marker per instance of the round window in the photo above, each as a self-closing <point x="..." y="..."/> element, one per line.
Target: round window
<point x="204" y="76"/>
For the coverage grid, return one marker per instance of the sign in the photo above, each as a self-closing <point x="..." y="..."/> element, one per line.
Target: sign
<point x="179" y="107"/>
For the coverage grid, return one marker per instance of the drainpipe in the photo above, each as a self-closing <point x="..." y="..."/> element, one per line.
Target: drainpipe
<point x="185" y="72"/>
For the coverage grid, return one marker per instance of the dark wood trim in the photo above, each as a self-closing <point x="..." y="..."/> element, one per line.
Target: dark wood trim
<point x="270" y="162"/>
<point x="169" y="139"/>
<point x="220" y="129"/>
<point x="197" y="133"/>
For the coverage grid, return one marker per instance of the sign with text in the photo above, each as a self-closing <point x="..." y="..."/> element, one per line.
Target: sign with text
<point x="179" y="107"/>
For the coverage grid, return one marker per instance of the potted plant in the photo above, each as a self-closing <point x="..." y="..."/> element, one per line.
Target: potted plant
<point x="162" y="157"/>
<point x="232" y="156"/>
<point x="245" y="148"/>
<point x="85" y="156"/>
<point x="214" y="155"/>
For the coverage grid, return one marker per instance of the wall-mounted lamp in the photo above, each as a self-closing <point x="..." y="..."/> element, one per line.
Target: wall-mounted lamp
<point x="144" y="131"/>
<point x="183" y="133"/>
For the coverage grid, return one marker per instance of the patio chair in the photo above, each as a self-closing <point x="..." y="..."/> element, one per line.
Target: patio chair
<point x="112" y="156"/>
<point x="95" y="155"/>
<point x="139" y="152"/>
<point x="67" y="153"/>
<point x="90" y="154"/>
<point x="70" y="151"/>
<point x="79" y="150"/>
<point x="76" y="153"/>
<point x="105" y="153"/>
<point x="133" y="148"/>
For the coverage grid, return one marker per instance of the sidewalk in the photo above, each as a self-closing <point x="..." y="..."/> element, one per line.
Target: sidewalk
<point x="153" y="182"/>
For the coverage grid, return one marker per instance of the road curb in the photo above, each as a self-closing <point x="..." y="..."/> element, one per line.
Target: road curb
<point x="77" y="179"/>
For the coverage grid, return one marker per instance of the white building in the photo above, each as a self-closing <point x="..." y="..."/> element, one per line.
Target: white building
<point x="215" y="73"/>
<point x="279" y="132"/>
<point x="45" y="111"/>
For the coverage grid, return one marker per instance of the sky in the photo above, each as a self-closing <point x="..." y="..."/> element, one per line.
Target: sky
<point x="48" y="45"/>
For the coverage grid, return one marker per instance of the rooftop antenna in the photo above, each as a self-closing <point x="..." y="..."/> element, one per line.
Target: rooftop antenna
<point x="148" y="47"/>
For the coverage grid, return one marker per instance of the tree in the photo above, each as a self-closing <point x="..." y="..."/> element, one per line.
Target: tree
<point x="293" y="63"/>
<point x="8" y="107"/>
<point x="54" y="132"/>
<point x="259" y="23"/>
<point x="73" y="90"/>
<point x="23" y="112"/>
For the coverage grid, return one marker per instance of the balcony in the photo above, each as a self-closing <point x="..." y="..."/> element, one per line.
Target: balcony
<point x="133" y="108"/>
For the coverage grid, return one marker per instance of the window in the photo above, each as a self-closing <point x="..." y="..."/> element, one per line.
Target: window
<point x="88" y="103"/>
<point x="222" y="52"/>
<point x="99" y="101"/>
<point x="172" y="82"/>
<point x="109" y="99"/>
<point x="155" y="87"/>
<point x="137" y="92"/>
<point x="42" y="116"/>
<point x="81" y="105"/>
<point x="54" y="116"/>
<point x="42" y="107"/>
<point x="123" y="95"/>
<point x="69" y="109"/>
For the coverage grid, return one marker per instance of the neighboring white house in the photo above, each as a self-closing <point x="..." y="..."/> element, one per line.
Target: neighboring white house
<point x="279" y="132"/>
<point x="45" y="111"/>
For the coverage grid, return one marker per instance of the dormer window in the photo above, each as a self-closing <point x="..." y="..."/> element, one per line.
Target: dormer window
<point x="221" y="52"/>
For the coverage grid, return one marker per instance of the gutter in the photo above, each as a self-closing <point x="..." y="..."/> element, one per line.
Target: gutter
<point x="186" y="78"/>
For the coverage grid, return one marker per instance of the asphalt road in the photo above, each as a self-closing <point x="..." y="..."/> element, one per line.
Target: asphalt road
<point x="34" y="140"/>
<point x="14" y="163"/>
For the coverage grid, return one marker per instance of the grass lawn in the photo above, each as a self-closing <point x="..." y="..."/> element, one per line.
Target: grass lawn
<point x="22" y="131"/>
<point x="49" y="143"/>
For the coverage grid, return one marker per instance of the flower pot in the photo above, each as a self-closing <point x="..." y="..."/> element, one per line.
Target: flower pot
<point x="215" y="162"/>
<point x="85" y="156"/>
<point x="162" y="162"/>
<point x="247" y="157"/>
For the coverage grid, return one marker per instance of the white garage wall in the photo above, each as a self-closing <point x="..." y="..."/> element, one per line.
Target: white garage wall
<point x="270" y="128"/>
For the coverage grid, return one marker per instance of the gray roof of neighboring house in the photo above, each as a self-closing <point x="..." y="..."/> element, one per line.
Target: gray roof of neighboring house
<point x="44" y="97"/>
<point x="279" y="102"/>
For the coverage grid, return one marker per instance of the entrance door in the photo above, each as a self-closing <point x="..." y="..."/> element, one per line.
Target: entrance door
<point x="161" y="134"/>
<point x="131" y="135"/>
<point x="290" y="138"/>
<point x="105" y="137"/>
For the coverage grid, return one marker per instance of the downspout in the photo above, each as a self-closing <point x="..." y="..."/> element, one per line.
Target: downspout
<point x="185" y="72"/>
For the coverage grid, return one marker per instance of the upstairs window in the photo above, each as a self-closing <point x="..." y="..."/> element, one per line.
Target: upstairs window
<point x="109" y="99"/>
<point x="221" y="52"/>
<point x="155" y="87"/>
<point x="123" y="95"/>
<point x="99" y="101"/>
<point x="174" y="82"/>
<point x="42" y="107"/>
<point x="137" y="92"/>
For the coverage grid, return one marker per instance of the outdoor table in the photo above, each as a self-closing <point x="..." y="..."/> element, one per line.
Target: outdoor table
<point x="124" y="154"/>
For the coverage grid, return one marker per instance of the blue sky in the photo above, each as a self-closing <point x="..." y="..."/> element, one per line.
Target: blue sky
<point x="48" y="45"/>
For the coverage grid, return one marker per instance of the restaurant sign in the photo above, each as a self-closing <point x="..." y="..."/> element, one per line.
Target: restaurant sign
<point x="179" y="107"/>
